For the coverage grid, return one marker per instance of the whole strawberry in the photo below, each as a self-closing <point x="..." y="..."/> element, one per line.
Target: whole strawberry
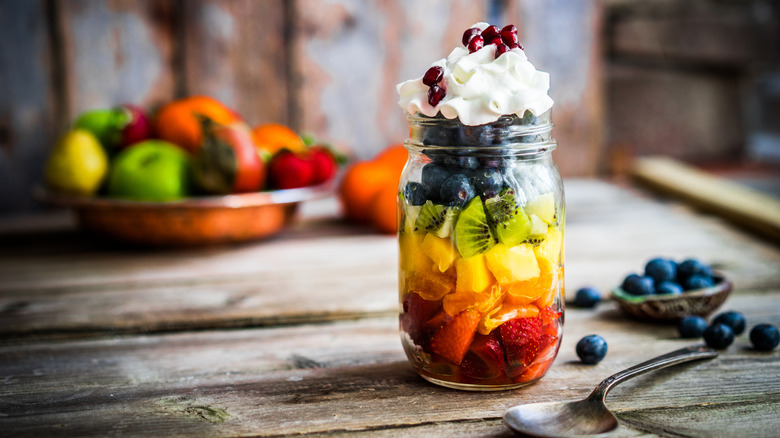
<point x="325" y="166"/>
<point x="288" y="170"/>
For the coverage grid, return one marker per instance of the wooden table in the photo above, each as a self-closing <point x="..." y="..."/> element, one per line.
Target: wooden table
<point x="298" y="334"/>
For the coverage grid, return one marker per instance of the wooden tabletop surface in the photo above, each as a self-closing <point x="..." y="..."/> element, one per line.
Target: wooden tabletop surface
<point x="298" y="334"/>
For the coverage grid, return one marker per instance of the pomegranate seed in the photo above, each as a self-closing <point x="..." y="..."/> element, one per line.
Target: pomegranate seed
<point x="436" y="94"/>
<point x="490" y="33"/>
<point x="501" y="49"/>
<point x="476" y="43"/>
<point x="509" y="28"/>
<point x="497" y="41"/>
<point x="509" y="37"/>
<point x="433" y="76"/>
<point x="468" y="34"/>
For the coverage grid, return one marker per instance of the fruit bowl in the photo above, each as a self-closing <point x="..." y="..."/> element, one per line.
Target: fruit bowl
<point x="701" y="302"/>
<point x="191" y="221"/>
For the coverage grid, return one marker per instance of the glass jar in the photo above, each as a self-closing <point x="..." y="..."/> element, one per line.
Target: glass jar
<point x="481" y="220"/>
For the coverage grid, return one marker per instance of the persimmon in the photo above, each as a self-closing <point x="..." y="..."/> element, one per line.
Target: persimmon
<point x="361" y="183"/>
<point x="395" y="156"/>
<point x="384" y="209"/>
<point x="178" y="122"/>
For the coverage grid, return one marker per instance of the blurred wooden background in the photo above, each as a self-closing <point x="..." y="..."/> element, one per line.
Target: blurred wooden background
<point x="628" y="77"/>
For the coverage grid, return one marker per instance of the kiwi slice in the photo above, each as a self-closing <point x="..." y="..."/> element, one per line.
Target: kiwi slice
<point x="509" y="221"/>
<point x="435" y="218"/>
<point x="472" y="233"/>
<point x="538" y="230"/>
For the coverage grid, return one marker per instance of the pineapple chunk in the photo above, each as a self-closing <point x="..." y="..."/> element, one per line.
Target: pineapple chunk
<point x="542" y="206"/>
<point x="472" y="274"/>
<point x="552" y="246"/>
<point x="510" y="265"/>
<point x="440" y="250"/>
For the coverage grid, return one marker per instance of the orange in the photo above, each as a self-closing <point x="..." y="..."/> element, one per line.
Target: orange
<point x="395" y="156"/>
<point x="384" y="207"/>
<point x="273" y="137"/>
<point x="178" y="123"/>
<point x="361" y="183"/>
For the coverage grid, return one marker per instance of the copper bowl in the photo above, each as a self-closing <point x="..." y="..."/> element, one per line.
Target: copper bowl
<point x="701" y="302"/>
<point x="190" y="221"/>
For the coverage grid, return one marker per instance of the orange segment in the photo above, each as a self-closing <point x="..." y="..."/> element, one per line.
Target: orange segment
<point x="506" y="312"/>
<point x="273" y="137"/>
<point x="486" y="301"/>
<point x="430" y="286"/>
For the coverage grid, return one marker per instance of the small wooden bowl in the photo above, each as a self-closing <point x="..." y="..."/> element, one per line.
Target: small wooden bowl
<point x="701" y="302"/>
<point x="192" y="221"/>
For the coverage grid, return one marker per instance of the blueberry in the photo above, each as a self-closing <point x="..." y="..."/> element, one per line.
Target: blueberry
<point x="764" y="337"/>
<point x="493" y="162"/>
<point x="661" y="270"/>
<point x="415" y="193"/>
<point x="733" y="319"/>
<point x="470" y="163"/>
<point x="587" y="297"/>
<point x="639" y="285"/>
<point x="437" y="137"/>
<point x="591" y="349"/>
<point x="718" y="336"/>
<point x="692" y="267"/>
<point x="433" y="176"/>
<point x="669" y="288"/>
<point x="487" y="182"/>
<point x="456" y="190"/>
<point x="692" y="327"/>
<point x="475" y="135"/>
<point x="697" y="281"/>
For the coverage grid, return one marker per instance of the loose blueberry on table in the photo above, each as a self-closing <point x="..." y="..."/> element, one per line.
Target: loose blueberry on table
<point x="718" y="336"/>
<point x="692" y="326"/>
<point x="764" y="337"/>
<point x="591" y="349"/>
<point x="733" y="319"/>
<point x="587" y="297"/>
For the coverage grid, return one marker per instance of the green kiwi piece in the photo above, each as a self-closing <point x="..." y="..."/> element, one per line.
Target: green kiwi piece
<point x="472" y="233"/>
<point x="436" y="219"/>
<point x="538" y="230"/>
<point x="510" y="223"/>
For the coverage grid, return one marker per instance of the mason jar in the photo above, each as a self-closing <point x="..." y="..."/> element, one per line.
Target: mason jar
<point x="481" y="225"/>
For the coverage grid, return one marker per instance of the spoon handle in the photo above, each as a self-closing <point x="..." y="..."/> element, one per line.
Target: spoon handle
<point x="663" y="361"/>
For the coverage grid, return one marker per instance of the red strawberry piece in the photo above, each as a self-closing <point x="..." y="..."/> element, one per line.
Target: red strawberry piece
<point x="288" y="171"/>
<point x="520" y="337"/>
<point x="452" y="341"/>
<point x="549" y="315"/>
<point x="485" y="359"/>
<point x="417" y="312"/>
<point x="325" y="166"/>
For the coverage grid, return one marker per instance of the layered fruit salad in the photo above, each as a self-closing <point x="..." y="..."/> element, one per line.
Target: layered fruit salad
<point x="480" y="218"/>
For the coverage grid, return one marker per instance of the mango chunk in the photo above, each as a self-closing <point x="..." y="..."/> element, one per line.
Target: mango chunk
<point x="510" y="265"/>
<point x="472" y="274"/>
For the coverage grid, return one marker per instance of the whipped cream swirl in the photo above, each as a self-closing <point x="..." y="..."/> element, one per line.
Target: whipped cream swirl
<point x="480" y="88"/>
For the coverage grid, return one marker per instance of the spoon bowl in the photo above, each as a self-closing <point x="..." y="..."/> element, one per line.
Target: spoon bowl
<point x="590" y="417"/>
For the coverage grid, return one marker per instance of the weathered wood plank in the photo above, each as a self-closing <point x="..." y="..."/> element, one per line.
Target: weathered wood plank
<point x="352" y="377"/>
<point x="28" y="119"/>
<point x="350" y="55"/>
<point x="117" y="52"/>
<point x="574" y="61"/>
<point x="319" y="272"/>
<point x="236" y="52"/>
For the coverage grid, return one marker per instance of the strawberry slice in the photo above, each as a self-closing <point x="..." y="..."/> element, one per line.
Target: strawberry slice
<point x="485" y="359"/>
<point x="453" y="339"/>
<point x="417" y="312"/>
<point x="549" y="315"/>
<point x="520" y="337"/>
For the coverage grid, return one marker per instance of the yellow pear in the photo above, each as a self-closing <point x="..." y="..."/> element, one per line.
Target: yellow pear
<point x="77" y="165"/>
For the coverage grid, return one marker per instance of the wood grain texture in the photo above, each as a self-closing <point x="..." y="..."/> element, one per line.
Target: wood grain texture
<point x="352" y="377"/>
<point x="236" y="52"/>
<point x="329" y="272"/>
<point x="118" y="51"/>
<point x="351" y="54"/>
<point x="27" y="110"/>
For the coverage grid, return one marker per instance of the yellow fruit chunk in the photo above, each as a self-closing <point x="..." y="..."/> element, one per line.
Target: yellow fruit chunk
<point x="485" y="301"/>
<point x="440" y="250"/>
<point x="552" y="247"/>
<point x="472" y="274"/>
<point x="502" y="314"/>
<point x="430" y="286"/>
<point x="510" y="265"/>
<point x="542" y="206"/>
<point x="411" y="257"/>
<point x="547" y="284"/>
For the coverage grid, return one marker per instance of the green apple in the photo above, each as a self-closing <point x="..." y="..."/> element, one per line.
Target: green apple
<point x="152" y="170"/>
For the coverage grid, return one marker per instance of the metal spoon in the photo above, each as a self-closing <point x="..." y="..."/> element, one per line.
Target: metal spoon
<point x="590" y="416"/>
